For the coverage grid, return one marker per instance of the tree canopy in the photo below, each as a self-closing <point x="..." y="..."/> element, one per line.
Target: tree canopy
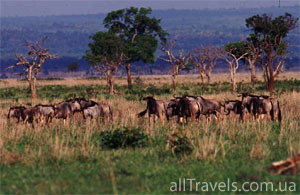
<point x="139" y="32"/>
<point x="268" y="36"/>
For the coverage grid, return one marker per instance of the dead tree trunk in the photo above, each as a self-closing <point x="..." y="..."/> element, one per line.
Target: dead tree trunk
<point x="233" y="62"/>
<point x="208" y="73"/>
<point x="32" y="63"/>
<point x="177" y="63"/>
<point x="174" y="83"/>
<point x="202" y="75"/>
<point x="253" y="74"/>
<point x="110" y="82"/>
<point x="232" y="78"/>
<point x="33" y="88"/>
<point x="129" y="79"/>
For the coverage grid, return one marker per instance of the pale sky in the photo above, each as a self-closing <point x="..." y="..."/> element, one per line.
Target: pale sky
<point x="77" y="7"/>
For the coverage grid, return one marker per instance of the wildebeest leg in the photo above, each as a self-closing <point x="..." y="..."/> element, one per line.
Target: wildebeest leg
<point x="149" y="117"/>
<point x="160" y="116"/>
<point x="241" y="117"/>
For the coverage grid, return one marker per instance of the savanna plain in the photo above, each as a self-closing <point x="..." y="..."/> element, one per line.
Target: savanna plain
<point x="129" y="155"/>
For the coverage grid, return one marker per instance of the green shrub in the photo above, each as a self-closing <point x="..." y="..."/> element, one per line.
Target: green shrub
<point x="179" y="144"/>
<point x="121" y="138"/>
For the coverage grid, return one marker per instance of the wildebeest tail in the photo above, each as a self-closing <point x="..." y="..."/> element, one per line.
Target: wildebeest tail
<point x="110" y="114"/>
<point x="141" y="114"/>
<point x="279" y="113"/>
<point x="8" y="115"/>
<point x="272" y="110"/>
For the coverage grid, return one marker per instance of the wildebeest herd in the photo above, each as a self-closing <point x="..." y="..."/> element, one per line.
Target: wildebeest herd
<point x="63" y="110"/>
<point x="194" y="106"/>
<point x="182" y="107"/>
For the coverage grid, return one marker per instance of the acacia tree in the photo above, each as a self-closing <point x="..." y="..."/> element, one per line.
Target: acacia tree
<point x="33" y="62"/>
<point x="254" y="55"/>
<point x="271" y="33"/>
<point x="205" y="59"/>
<point x="178" y="63"/>
<point x="212" y="57"/>
<point x="233" y="53"/>
<point x="106" y="55"/>
<point x="199" y="57"/>
<point x="139" y="34"/>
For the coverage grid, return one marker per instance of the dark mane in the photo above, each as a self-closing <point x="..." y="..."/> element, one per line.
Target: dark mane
<point x="227" y="101"/>
<point x="18" y="107"/>
<point x="44" y="105"/>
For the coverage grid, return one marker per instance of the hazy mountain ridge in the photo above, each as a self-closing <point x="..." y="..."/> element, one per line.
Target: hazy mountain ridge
<point x="69" y="35"/>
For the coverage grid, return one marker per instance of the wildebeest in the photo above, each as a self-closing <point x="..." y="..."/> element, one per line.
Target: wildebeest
<point x="44" y="112"/>
<point x="75" y="105"/>
<point x="62" y="110"/>
<point x="154" y="107"/>
<point x="208" y="106"/>
<point x="257" y="105"/>
<point x="16" y="112"/>
<point x="188" y="107"/>
<point x="172" y="108"/>
<point x="235" y="106"/>
<point x="84" y="103"/>
<point x="102" y="110"/>
<point x="21" y="112"/>
<point x="29" y="114"/>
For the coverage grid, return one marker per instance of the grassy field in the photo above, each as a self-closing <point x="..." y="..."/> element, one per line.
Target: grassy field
<point x="130" y="156"/>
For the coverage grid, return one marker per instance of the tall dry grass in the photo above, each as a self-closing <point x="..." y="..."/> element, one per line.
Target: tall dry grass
<point x="208" y="139"/>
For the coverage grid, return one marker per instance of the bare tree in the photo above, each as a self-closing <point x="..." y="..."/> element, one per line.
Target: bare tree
<point x="177" y="62"/>
<point x="33" y="62"/>
<point x="108" y="69"/>
<point x="212" y="57"/>
<point x="253" y="47"/>
<point x="252" y="58"/>
<point x="106" y="54"/>
<point x="199" y="57"/>
<point x="232" y="54"/>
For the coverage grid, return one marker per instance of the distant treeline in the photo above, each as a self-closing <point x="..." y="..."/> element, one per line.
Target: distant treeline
<point x="69" y="35"/>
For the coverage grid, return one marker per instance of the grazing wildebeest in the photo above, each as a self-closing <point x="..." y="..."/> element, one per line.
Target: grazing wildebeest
<point x="62" y="110"/>
<point x="188" y="107"/>
<point x="44" y="112"/>
<point x="235" y="106"/>
<point x="154" y="107"/>
<point x="257" y="105"/>
<point x="16" y="112"/>
<point x="102" y="110"/>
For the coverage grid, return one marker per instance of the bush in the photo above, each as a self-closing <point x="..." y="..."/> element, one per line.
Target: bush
<point x="121" y="138"/>
<point x="179" y="144"/>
